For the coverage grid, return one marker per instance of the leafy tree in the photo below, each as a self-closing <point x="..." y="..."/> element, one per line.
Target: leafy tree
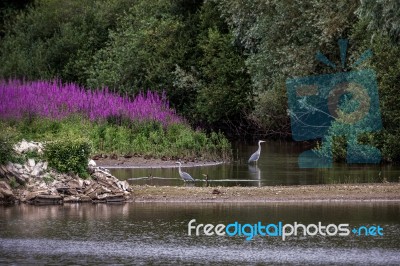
<point x="225" y="90"/>
<point x="281" y="39"/>
<point x="57" y="38"/>
<point x="380" y="16"/>
<point x="142" y="50"/>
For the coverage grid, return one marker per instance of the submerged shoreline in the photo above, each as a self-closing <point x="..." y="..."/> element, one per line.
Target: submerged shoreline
<point x="387" y="192"/>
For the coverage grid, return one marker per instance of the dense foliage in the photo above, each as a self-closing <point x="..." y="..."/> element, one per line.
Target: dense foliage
<point x="68" y="156"/>
<point x="6" y="150"/>
<point x="222" y="63"/>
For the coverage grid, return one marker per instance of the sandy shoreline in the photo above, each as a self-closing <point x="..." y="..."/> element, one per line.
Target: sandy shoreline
<point x="388" y="192"/>
<point x="303" y="193"/>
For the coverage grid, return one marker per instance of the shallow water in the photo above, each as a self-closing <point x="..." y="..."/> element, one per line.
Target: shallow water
<point x="156" y="234"/>
<point x="277" y="166"/>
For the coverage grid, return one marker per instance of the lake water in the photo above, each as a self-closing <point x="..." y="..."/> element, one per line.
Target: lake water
<point x="277" y="166"/>
<point x="156" y="234"/>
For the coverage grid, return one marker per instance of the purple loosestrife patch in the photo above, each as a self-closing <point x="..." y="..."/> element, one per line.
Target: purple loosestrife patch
<point x="52" y="99"/>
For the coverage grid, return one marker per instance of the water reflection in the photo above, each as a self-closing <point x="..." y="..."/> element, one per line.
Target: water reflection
<point x="157" y="234"/>
<point x="277" y="166"/>
<point x="255" y="173"/>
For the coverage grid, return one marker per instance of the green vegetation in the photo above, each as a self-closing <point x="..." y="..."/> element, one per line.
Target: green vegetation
<point x="68" y="155"/>
<point x="141" y="138"/>
<point x="222" y="63"/>
<point x="6" y="150"/>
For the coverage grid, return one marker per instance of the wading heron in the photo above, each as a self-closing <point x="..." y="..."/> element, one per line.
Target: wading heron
<point x="185" y="176"/>
<point x="255" y="156"/>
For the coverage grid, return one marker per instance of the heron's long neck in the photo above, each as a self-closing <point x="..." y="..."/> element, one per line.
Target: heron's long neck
<point x="259" y="147"/>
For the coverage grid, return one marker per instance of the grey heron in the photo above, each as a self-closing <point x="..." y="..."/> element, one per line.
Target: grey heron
<point x="185" y="176"/>
<point x="255" y="156"/>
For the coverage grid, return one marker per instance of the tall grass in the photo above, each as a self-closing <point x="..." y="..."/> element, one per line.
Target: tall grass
<point x="52" y="99"/>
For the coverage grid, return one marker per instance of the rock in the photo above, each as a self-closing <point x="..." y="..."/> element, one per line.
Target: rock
<point x="17" y="166"/>
<point x="72" y="191"/>
<point x="9" y="167"/>
<point x="2" y="171"/>
<point x="124" y="185"/>
<point x="31" y="162"/>
<point x="84" y="198"/>
<point x="27" y="168"/>
<point x="37" y="169"/>
<point x="81" y="183"/>
<point x="6" y="191"/>
<point x="25" y="146"/>
<point x="10" y="172"/>
<point x="42" y="185"/>
<point x="48" y="199"/>
<point x="91" y="188"/>
<point x="20" y="179"/>
<point x="115" y="198"/>
<point x="32" y="195"/>
<point x="114" y="156"/>
<point x="92" y="195"/>
<point x="74" y="184"/>
<point x="21" y="146"/>
<point x="71" y="199"/>
<point x="44" y="167"/>
<point x="91" y="163"/>
<point x="105" y="189"/>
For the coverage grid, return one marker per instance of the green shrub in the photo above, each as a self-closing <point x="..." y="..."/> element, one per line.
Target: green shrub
<point x="6" y="150"/>
<point x="69" y="156"/>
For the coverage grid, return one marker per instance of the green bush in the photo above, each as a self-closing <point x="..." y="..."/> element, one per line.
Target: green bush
<point x="6" y="150"/>
<point x="69" y="156"/>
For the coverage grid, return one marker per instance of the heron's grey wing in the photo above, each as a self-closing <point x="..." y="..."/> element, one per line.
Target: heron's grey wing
<point x="187" y="177"/>
<point x="254" y="157"/>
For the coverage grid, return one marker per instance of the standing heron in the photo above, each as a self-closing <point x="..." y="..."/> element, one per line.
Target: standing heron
<point x="255" y="156"/>
<point x="185" y="176"/>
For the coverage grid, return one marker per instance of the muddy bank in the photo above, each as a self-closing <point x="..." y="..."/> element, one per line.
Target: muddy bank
<point x="141" y="162"/>
<point x="340" y="192"/>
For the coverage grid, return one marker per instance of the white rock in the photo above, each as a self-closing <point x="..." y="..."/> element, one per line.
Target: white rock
<point x="36" y="171"/>
<point x="27" y="168"/>
<point x="31" y="162"/>
<point x="24" y="146"/>
<point x="42" y="185"/>
<point x="21" y="146"/>
<point x="124" y="185"/>
<point x="44" y="167"/>
<point x="80" y="181"/>
<point x="92" y="163"/>
<point x="17" y="166"/>
<point x="10" y="167"/>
